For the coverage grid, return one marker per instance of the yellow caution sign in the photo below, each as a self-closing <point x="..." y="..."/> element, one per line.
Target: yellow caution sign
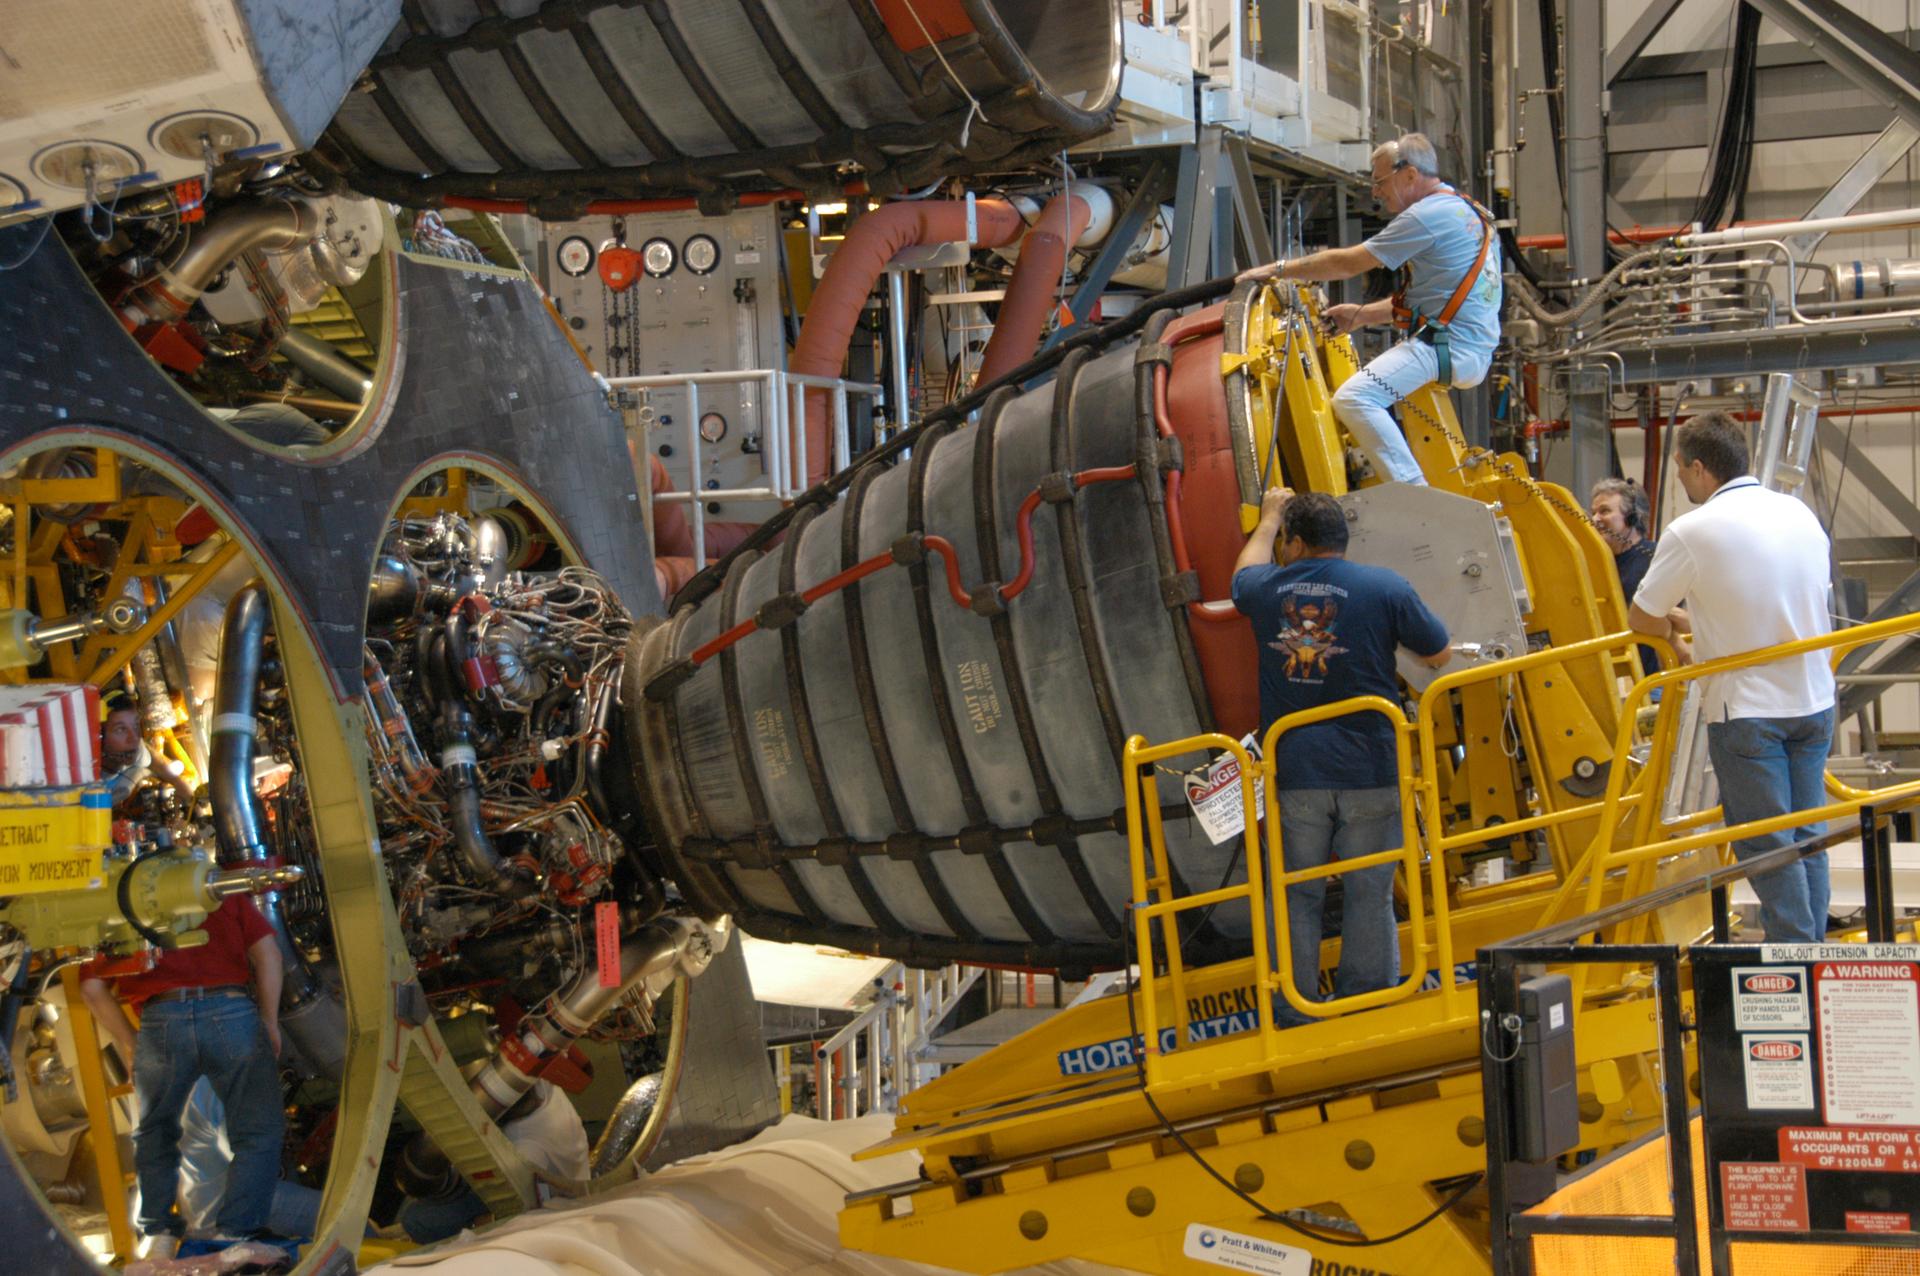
<point x="52" y="839"/>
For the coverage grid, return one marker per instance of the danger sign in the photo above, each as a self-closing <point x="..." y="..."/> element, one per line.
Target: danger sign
<point x="1214" y="794"/>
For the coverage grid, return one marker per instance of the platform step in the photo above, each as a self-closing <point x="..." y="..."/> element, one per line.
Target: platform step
<point x="982" y="1035"/>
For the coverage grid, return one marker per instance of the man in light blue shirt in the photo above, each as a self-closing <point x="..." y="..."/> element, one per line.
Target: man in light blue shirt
<point x="1446" y="248"/>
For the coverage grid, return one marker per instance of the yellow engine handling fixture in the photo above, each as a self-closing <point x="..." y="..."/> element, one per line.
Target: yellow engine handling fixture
<point x="1171" y="1126"/>
<point x="64" y="890"/>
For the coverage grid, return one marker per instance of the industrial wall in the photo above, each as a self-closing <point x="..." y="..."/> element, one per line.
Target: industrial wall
<point x="1810" y="126"/>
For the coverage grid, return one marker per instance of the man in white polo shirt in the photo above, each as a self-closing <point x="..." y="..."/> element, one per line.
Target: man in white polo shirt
<point x="1752" y="565"/>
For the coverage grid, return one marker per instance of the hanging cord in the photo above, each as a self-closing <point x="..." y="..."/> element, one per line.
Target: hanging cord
<point x="1273" y="1216"/>
<point x="26" y="255"/>
<point x="974" y="110"/>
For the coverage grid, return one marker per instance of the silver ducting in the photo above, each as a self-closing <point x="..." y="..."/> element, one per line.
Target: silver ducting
<point x="272" y="224"/>
<point x="650" y="959"/>
<point x="492" y="549"/>
<point x="311" y="1015"/>
<point x="237" y="822"/>
<point x="394" y="594"/>
<point x="325" y="365"/>
<point x="628" y="1122"/>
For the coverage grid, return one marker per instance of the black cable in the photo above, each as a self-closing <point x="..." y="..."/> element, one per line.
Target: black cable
<point x="123" y="895"/>
<point x="1272" y="1216"/>
<point x="1731" y="164"/>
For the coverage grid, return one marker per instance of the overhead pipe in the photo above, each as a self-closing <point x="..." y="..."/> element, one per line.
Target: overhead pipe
<point x="1891" y="219"/>
<point x="630" y="207"/>
<point x="1032" y="291"/>
<point x="872" y="242"/>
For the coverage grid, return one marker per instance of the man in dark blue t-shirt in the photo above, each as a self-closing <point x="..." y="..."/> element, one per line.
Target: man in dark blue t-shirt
<point x="1328" y="630"/>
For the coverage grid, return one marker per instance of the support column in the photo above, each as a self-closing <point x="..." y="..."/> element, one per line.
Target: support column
<point x="1583" y="56"/>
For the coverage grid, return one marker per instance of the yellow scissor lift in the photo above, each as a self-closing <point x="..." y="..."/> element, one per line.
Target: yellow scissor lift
<point x="1137" y="1130"/>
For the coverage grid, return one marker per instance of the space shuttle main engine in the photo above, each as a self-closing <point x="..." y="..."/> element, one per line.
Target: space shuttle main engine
<point x="898" y="728"/>
<point x="506" y="815"/>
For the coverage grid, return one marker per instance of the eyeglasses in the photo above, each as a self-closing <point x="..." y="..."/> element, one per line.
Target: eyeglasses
<point x="1386" y="177"/>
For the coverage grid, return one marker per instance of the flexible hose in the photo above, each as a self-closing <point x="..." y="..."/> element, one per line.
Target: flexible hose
<point x="1588" y="301"/>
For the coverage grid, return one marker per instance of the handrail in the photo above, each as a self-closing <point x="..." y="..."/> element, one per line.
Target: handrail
<point x="1642" y="844"/>
<point x="1407" y="855"/>
<point x="1651" y="836"/>
<point x="1146" y="910"/>
<point x="895" y="1028"/>
<point x="784" y="436"/>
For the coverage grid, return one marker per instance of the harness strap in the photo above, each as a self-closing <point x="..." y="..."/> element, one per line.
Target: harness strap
<point x="1406" y="318"/>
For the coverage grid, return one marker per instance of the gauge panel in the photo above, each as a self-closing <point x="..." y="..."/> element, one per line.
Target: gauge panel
<point x="658" y="257"/>
<point x="713" y="426"/>
<point x="575" y="255"/>
<point x="702" y="254"/>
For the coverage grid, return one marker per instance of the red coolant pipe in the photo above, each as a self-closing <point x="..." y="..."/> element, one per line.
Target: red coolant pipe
<point x="1035" y="283"/>
<point x="842" y="293"/>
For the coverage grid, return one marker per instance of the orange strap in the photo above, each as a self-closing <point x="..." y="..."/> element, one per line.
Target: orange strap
<point x="1403" y="314"/>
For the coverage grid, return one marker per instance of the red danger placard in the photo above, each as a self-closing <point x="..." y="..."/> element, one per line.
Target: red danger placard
<point x="1877" y="1221"/>
<point x="1877" y="1149"/>
<point x="1761" y="1196"/>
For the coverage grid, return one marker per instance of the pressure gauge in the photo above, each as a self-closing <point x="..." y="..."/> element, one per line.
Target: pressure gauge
<point x="657" y="256"/>
<point x="575" y="256"/>
<point x="713" y="426"/>
<point x="702" y="254"/>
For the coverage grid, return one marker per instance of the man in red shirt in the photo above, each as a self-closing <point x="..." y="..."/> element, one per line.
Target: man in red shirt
<point x="197" y="1019"/>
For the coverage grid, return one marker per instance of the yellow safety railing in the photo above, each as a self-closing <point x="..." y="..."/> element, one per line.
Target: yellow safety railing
<point x="1406" y="855"/>
<point x="1651" y="837"/>
<point x="1632" y="792"/>
<point x="1432" y="804"/>
<point x="1154" y="898"/>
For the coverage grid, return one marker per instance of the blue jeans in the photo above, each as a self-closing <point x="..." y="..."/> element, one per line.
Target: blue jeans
<point x="222" y="1040"/>
<point x="205" y="1157"/>
<point x="1770" y="766"/>
<point x="1316" y="824"/>
<point x="1364" y="402"/>
<point x="428" y="1220"/>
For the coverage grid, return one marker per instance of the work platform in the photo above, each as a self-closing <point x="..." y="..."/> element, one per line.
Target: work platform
<point x="1173" y="1126"/>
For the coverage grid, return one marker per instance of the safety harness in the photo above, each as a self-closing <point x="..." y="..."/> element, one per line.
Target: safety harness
<point x="1433" y="329"/>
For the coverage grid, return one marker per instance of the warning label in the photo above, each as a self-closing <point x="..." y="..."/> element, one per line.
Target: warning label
<point x="1214" y="794"/>
<point x="1760" y="1196"/>
<point x="1878" y="1149"/>
<point x="1869" y="1039"/>
<point x="1769" y="998"/>
<point x="1876" y="1221"/>
<point x="1779" y="1070"/>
